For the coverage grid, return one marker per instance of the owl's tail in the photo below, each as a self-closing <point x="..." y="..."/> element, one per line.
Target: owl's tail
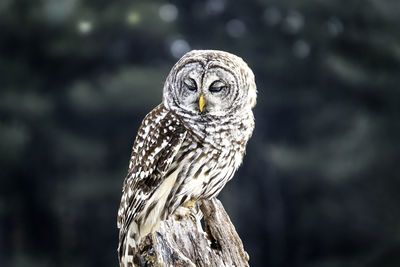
<point x="128" y="246"/>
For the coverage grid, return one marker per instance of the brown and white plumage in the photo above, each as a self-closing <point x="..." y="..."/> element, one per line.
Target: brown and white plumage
<point x="188" y="147"/>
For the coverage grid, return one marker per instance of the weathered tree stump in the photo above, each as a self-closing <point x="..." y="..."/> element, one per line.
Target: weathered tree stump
<point x="183" y="242"/>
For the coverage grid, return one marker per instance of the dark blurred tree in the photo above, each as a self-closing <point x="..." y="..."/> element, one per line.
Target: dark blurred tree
<point x="319" y="182"/>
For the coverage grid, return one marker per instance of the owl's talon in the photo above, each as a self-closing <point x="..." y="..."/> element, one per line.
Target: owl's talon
<point x="192" y="216"/>
<point x="178" y="217"/>
<point x="181" y="212"/>
<point x="189" y="209"/>
<point x="190" y="204"/>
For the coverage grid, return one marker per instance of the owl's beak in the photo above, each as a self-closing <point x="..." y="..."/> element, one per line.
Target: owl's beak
<point x="202" y="102"/>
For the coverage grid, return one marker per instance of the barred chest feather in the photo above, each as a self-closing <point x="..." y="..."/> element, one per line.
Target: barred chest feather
<point x="209" y="156"/>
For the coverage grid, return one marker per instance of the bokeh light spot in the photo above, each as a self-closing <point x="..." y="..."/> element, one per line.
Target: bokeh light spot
<point x="168" y="12"/>
<point x="58" y="11"/>
<point x="334" y="26"/>
<point x="84" y="26"/>
<point x="179" y="47"/>
<point x="301" y="49"/>
<point x="272" y="16"/>
<point x="236" y="28"/>
<point x="294" y="22"/>
<point x="215" y="6"/>
<point x="133" y="17"/>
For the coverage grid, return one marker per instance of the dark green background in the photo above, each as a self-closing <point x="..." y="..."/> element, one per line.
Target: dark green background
<point x="320" y="181"/>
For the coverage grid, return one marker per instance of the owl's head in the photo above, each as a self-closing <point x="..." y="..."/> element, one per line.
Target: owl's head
<point x="210" y="82"/>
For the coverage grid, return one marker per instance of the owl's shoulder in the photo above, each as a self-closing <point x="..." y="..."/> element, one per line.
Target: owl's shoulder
<point x="160" y="130"/>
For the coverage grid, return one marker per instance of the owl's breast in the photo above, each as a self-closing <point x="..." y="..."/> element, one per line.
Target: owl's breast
<point x="210" y="155"/>
<point x="206" y="168"/>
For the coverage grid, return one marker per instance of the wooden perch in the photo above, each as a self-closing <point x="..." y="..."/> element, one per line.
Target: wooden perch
<point x="183" y="242"/>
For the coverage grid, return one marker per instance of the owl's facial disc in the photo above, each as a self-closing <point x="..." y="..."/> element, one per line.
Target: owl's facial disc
<point x="204" y="89"/>
<point x="210" y="82"/>
<point x="207" y="82"/>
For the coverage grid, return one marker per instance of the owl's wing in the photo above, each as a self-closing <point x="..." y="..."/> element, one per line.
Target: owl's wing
<point x="158" y="140"/>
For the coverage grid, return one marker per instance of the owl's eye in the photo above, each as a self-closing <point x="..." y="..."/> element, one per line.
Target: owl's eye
<point x="190" y="84"/>
<point x="217" y="86"/>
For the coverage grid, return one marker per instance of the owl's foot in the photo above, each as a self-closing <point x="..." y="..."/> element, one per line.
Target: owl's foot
<point x="181" y="212"/>
<point x="190" y="208"/>
<point x="190" y="204"/>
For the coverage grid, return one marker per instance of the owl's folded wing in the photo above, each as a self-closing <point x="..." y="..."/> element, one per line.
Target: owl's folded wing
<point x="159" y="139"/>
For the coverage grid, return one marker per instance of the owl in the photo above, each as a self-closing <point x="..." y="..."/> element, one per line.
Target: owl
<point x="189" y="146"/>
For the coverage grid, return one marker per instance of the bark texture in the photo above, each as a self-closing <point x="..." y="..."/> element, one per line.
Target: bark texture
<point x="184" y="242"/>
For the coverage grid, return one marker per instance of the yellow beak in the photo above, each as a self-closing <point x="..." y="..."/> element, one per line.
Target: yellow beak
<point x="202" y="102"/>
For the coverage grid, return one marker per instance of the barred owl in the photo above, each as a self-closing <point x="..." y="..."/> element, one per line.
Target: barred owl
<point x="189" y="146"/>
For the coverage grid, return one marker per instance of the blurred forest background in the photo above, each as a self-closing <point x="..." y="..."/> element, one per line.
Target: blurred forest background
<point x="320" y="182"/>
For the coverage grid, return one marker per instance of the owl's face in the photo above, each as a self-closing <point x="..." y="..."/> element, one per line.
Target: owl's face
<point x="208" y="82"/>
